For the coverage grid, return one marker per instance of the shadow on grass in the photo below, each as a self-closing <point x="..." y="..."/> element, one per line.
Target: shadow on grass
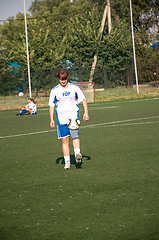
<point x="73" y="161"/>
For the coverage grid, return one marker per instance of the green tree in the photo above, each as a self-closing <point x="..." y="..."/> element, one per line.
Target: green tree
<point x="83" y="37"/>
<point x="148" y="64"/>
<point x="59" y="30"/>
<point x="116" y="48"/>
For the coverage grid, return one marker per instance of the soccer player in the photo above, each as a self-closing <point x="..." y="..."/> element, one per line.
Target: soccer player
<point x="66" y="96"/>
<point x="29" y="108"/>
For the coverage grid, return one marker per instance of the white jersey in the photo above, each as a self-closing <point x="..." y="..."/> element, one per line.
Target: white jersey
<point x="66" y="100"/>
<point x="32" y="106"/>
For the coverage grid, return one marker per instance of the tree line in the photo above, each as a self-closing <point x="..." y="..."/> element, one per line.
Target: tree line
<point x="60" y="31"/>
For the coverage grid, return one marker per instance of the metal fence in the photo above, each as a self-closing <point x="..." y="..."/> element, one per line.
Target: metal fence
<point x="42" y="80"/>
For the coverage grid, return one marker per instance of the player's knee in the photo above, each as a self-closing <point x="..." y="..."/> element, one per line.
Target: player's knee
<point x="74" y="134"/>
<point x="65" y="140"/>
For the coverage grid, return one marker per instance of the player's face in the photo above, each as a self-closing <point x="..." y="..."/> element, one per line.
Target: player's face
<point x="63" y="83"/>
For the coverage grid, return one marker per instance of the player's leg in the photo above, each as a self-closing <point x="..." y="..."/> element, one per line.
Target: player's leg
<point x="64" y="134"/>
<point x="28" y="110"/>
<point x="65" y="146"/>
<point x="23" y="111"/>
<point x="66" y="152"/>
<point x="76" y="145"/>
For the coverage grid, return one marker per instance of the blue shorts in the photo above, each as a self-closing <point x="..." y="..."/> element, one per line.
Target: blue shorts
<point x="64" y="131"/>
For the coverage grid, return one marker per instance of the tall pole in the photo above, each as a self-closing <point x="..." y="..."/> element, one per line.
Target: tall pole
<point x="134" y="48"/>
<point x="26" y="34"/>
<point x="109" y="17"/>
<point x="101" y="34"/>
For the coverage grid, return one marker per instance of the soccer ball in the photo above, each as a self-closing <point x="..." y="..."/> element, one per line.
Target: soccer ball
<point x="73" y="123"/>
<point x="20" y="94"/>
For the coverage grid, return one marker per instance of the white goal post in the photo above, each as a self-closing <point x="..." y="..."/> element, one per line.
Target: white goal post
<point x="88" y="89"/>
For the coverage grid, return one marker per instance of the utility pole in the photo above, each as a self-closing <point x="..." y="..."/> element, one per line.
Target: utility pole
<point x="106" y="11"/>
<point x="26" y="34"/>
<point x="101" y="34"/>
<point x="109" y="17"/>
<point x="134" y="48"/>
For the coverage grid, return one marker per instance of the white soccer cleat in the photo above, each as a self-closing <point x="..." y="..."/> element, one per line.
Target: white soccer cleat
<point x="78" y="158"/>
<point x="67" y="166"/>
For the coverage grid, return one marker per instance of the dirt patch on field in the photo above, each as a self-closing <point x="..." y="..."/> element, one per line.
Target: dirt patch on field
<point x="15" y="102"/>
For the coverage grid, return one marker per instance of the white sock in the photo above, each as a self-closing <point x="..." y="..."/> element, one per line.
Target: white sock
<point x="76" y="150"/>
<point x="67" y="159"/>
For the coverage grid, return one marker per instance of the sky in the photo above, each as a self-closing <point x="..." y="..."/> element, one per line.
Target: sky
<point x="10" y="8"/>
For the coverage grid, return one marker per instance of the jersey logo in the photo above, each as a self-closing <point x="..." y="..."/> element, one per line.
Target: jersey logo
<point x="65" y="94"/>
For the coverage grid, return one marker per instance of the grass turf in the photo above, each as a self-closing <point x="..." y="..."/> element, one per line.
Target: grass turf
<point x="114" y="195"/>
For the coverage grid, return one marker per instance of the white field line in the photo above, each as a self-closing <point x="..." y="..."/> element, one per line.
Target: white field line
<point x="46" y="109"/>
<point x="141" y="100"/>
<point x="121" y="121"/>
<point x="26" y="134"/>
<point x="136" y="100"/>
<point x="129" y="124"/>
<point x="115" y="123"/>
<point x="97" y="104"/>
<point x="129" y="101"/>
<point x="89" y="107"/>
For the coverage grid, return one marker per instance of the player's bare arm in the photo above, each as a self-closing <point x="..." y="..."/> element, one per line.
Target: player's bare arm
<point x="51" y="112"/>
<point x="85" y="115"/>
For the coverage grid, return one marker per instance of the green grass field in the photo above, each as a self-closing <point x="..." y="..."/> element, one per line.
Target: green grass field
<point x="113" y="196"/>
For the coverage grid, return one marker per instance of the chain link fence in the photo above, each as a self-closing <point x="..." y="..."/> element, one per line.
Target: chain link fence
<point x="42" y="81"/>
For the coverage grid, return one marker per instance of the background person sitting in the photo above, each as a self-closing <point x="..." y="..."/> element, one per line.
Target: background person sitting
<point x="30" y="108"/>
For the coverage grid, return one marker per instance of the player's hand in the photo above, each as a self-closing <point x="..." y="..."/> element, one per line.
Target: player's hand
<point x="52" y="124"/>
<point x="85" y="117"/>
